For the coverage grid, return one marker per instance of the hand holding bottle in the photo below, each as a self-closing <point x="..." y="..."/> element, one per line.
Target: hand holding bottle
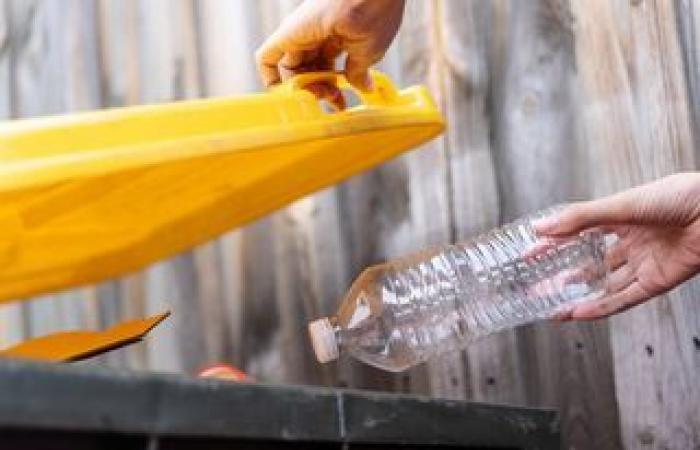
<point x="405" y="311"/>
<point x="658" y="227"/>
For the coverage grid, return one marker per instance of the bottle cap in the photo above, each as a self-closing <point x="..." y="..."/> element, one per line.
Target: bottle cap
<point x="323" y="340"/>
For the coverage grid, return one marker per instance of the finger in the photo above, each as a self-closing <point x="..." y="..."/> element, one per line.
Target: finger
<point x="619" y="231"/>
<point x="588" y="272"/>
<point x="285" y="39"/>
<point x="292" y="60"/>
<point x="267" y="58"/>
<point x="616" y="255"/>
<point x="316" y="60"/>
<point x="632" y="295"/>
<point x="329" y="93"/>
<point x="311" y="59"/>
<point x="542" y="246"/>
<point x="281" y="43"/>
<point x="291" y="64"/>
<point x="320" y="90"/>
<point x="335" y="98"/>
<point x="357" y="70"/>
<point x="616" y="209"/>
<point x="619" y="279"/>
<point x="621" y="276"/>
<point x="329" y="52"/>
<point x="298" y="61"/>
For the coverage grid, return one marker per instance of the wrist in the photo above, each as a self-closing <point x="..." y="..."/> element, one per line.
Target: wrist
<point x="364" y="14"/>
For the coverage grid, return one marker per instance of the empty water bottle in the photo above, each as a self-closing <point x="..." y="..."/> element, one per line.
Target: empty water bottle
<point x="403" y="312"/>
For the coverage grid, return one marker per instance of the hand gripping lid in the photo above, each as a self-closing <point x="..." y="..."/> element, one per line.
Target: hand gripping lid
<point x="93" y="195"/>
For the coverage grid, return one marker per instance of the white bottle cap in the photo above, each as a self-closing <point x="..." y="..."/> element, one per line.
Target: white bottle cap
<point x="323" y="340"/>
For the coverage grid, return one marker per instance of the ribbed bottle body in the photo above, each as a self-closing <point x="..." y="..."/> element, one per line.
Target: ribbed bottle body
<point x="403" y="312"/>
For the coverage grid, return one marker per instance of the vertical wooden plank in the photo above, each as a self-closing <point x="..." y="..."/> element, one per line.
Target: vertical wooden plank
<point x="688" y="20"/>
<point x="35" y="55"/>
<point x="296" y="291"/>
<point x="363" y="221"/>
<point x="170" y="71"/>
<point x="296" y="277"/>
<point x="55" y="70"/>
<point x="539" y="165"/>
<point x="427" y="221"/>
<point x="82" y="91"/>
<point x="121" y="299"/>
<point x="80" y="54"/>
<point x="119" y="46"/>
<point x="688" y="325"/>
<point x="637" y="118"/>
<point x="534" y="123"/>
<point x="330" y="276"/>
<point x="11" y="318"/>
<point x="371" y="207"/>
<point x="398" y="236"/>
<point x="494" y="366"/>
<point x="229" y="34"/>
<point x="659" y="79"/>
<point x="32" y="63"/>
<point x="5" y="49"/>
<point x="428" y="212"/>
<point x="76" y="66"/>
<point x="313" y="238"/>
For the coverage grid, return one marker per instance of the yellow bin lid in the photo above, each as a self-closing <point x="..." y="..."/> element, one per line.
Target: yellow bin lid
<point x="90" y="196"/>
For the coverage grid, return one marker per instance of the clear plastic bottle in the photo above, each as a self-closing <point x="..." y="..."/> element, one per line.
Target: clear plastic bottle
<point x="403" y="312"/>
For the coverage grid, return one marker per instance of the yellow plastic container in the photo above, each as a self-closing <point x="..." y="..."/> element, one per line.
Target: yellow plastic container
<point x="90" y="196"/>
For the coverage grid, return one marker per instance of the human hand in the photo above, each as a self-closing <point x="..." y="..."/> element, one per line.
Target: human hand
<point x="319" y="31"/>
<point x="658" y="227"/>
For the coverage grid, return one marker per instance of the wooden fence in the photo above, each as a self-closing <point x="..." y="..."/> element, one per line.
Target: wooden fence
<point x="546" y="101"/>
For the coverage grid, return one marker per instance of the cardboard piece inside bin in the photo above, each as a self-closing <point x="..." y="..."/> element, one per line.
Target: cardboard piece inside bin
<point x="68" y="346"/>
<point x="94" y="195"/>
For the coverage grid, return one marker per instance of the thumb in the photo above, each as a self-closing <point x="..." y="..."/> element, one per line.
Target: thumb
<point x="357" y="70"/>
<point x="575" y="217"/>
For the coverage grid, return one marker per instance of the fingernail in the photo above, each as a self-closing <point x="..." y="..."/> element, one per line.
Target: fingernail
<point x="545" y="224"/>
<point x="369" y="82"/>
<point x="539" y="246"/>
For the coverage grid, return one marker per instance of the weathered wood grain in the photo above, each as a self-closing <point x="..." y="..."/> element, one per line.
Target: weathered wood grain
<point x="427" y="217"/>
<point x="637" y="120"/>
<point x="6" y="41"/>
<point x="120" y="86"/>
<point x="296" y="297"/>
<point x="538" y="157"/>
<point x="218" y="76"/>
<point x="233" y="30"/>
<point x="11" y="315"/>
<point x="319" y="233"/>
<point x="169" y="71"/>
<point x="54" y="69"/>
<point x="494" y="368"/>
<point x="545" y="100"/>
<point x="688" y="22"/>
